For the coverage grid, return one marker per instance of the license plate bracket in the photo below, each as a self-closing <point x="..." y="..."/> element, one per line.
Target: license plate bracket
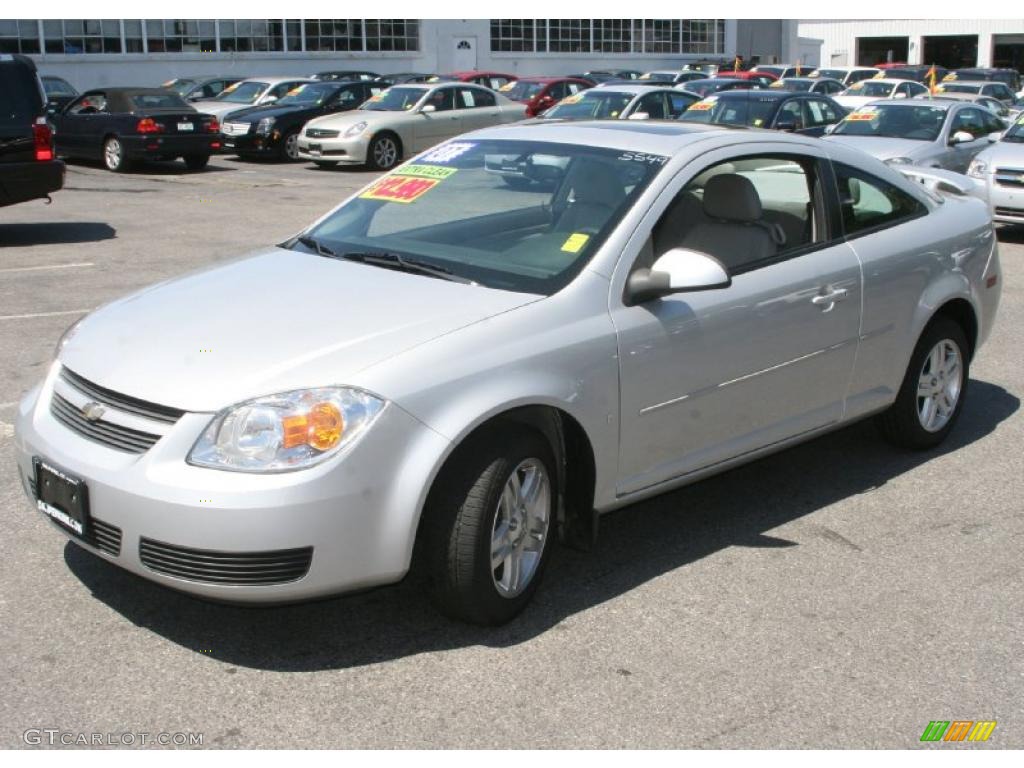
<point x="62" y="497"/>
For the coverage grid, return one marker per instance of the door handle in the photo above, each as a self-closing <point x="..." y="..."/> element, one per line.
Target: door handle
<point x="828" y="300"/>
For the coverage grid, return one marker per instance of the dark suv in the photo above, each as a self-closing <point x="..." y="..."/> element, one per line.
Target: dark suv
<point x="28" y="167"/>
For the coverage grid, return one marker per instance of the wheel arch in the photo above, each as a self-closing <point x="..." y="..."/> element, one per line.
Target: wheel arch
<point x="386" y="131"/>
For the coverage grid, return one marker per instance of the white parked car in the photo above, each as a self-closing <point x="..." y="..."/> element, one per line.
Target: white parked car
<point x="253" y="92"/>
<point x="846" y="75"/>
<point x="866" y="91"/>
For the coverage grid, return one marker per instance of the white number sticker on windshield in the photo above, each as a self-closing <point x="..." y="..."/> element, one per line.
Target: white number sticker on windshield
<point x="446" y="152"/>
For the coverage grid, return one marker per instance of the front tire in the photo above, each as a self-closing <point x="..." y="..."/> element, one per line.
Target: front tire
<point x="384" y="152"/>
<point x="114" y="156"/>
<point x="289" y="151"/>
<point x="196" y="162"/>
<point x="933" y="391"/>
<point x="488" y="525"/>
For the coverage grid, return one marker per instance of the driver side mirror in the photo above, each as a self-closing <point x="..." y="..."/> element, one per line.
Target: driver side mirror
<point x="196" y="97"/>
<point x="996" y="136"/>
<point x="270" y="99"/>
<point x="960" y="137"/>
<point x="830" y="128"/>
<point x="639" y="116"/>
<point x="679" y="270"/>
<point x="428" y="108"/>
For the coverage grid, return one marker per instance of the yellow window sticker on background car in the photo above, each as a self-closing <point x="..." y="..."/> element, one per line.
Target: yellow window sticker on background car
<point x="864" y="113"/>
<point x="777" y="84"/>
<point x="168" y="84"/>
<point x="950" y="76"/>
<point x="572" y="99"/>
<point x="232" y="87"/>
<point x="296" y="89"/>
<point x="702" y="105"/>
<point x="507" y="86"/>
<point x="815" y="73"/>
<point x="575" y="242"/>
<point x="399" y="189"/>
<point x="879" y="76"/>
<point x="427" y="171"/>
<point x="758" y="122"/>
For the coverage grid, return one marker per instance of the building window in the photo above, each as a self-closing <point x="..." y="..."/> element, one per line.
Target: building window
<point x="293" y="31"/>
<point x="240" y="35"/>
<point x="392" y="34"/>
<point x="180" y="36"/>
<point x="82" y="36"/>
<point x="19" y="36"/>
<point x="648" y="36"/>
<point x="133" y="36"/>
<point x="334" y="34"/>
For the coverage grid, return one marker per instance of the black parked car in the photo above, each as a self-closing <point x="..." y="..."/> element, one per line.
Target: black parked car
<point x="273" y="130"/>
<point x="712" y="85"/>
<point x="122" y="125"/>
<point x="200" y="88"/>
<point x="58" y="93"/>
<point x="346" y="74"/>
<point x="408" y="77"/>
<point x="806" y="113"/>
<point x="28" y="168"/>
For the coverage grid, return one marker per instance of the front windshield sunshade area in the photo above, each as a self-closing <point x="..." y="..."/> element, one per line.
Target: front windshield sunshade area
<point x="244" y="92"/>
<point x="870" y="89"/>
<point x="308" y="94"/>
<point x="520" y="90"/>
<point x="754" y="113"/>
<point x="396" y="99"/>
<point x="893" y="121"/>
<point x="513" y="215"/>
<point x="592" y="105"/>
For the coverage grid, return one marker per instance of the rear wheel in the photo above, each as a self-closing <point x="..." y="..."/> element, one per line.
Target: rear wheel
<point x="488" y="524"/>
<point x="933" y="390"/>
<point x="384" y="152"/>
<point x="114" y="155"/>
<point x="196" y="162"/>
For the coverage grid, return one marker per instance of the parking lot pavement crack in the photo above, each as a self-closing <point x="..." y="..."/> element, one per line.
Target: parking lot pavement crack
<point x="837" y="538"/>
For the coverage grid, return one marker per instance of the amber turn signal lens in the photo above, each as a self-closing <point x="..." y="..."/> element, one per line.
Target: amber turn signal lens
<point x="296" y="430"/>
<point x="325" y="426"/>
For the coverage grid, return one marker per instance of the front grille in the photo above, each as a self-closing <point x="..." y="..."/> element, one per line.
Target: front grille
<point x="1010" y="177"/>
<point x="105" y="432"/>
<point x="236" y="129"/>
<point x="321" y="133"/>
<point x="1003" y="211"/>
<point x="121" y="402"/>
<point x="238" y="568"/>
<point x="105" y="537"/>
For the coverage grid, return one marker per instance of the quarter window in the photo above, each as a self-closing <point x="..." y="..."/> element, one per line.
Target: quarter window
<point x="867" y="203"/>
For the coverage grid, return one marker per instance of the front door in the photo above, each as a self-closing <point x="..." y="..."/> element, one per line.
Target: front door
<point x="442" y="123"/>
<point x="463" y="53"/>
<point x="712" y="375"/>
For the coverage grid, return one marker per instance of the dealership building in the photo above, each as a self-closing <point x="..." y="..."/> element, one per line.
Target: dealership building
<point x="950" y="43"/>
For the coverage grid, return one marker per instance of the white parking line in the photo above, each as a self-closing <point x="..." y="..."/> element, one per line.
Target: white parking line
<point x="76" y="265"/>
<point x="6" y="430"/>
<point x="45" y="314"/>
<point x="9" y="405"/>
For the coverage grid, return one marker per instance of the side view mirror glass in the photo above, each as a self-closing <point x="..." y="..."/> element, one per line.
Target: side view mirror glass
<point x="679" y="270"/>
<point x="428" y="108"/>
<point x="961" y="137"/>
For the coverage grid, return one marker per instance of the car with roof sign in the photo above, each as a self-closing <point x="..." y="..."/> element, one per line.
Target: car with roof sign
<point x="478" y="372"/>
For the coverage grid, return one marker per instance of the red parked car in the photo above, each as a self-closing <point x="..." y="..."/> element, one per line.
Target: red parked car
<point x="541" y="93"/>
<point x="492" y="80"/>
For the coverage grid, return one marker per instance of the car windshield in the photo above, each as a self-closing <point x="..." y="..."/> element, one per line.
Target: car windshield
<point x="597" y="104"/>
<point x="753" y="112"/>
<point x="180" y="86"/>
<point x="395" y="99"/>
<point x="896" y="121"/>
<point x="168" y="100"/>
<point x="54" y="86"/>
<point x="308" y="94"/>
<point x="1016" y="132"/>
<point x="791" y="84"/>
<point x="514" y="215"/>
<point x="658" y="77"/>
<point x="245" y="92"/>
<point x="838" y="74"/>
<point x="520" y="90"/>
<point x="959" y="88"/>
<point x="870" y="88"/>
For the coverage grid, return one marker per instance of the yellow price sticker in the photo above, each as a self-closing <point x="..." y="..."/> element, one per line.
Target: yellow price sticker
<point x="777" y="84"/>
<point x="701" y="106"/>
<point x="950" y="76"/>
<point x="879" y="76"/>
<point x="572" y="99"/>
<point x="575" y="242"/>
<point x="854" y="116"/>
<point x="232" y="87"/>
<point x="507" y="86"/>
<point x="758" y="122"/>
<point x="1021" y="121"/>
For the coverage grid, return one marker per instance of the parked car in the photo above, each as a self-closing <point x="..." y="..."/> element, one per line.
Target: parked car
<point x="1000" y="168"/>
<point x="542" y="93"/>
<point x="58" y="93"/>
<point x="996" y="107"/>
<point x="928" y="132"/>
<point x="404" y="120"/>
<point x="762" y="79"/>
<point x="846" y="75"/>
<point x="867" y="91"/>
<point x="618" y="74"/>
<point x="29" y="169"/>
<point x="201" y="88"/>
<point x="920" y="73"/>
<point x="492" y="80"/>
<point x="807" y="113"/>
<point x="996" y="90"/>
<point x="1010" y="77"/>
<point x="252" y="92"/>
<point x="273" y="130"/>
<point x="623" y="102"/>
<point x="779" y="71"/>
<point x="826" y="86"/>
<point x="408" y="77"/>
<point x="479" y="370"/>
<point x="123" y="125"/>
<point x="716" y="85"/>
<point x="672" y="76"/>
<point x="346" y="74"/>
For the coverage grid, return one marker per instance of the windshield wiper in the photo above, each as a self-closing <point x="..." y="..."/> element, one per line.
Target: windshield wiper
<point x="391" y="260"/>
<point x="316" y="245"/>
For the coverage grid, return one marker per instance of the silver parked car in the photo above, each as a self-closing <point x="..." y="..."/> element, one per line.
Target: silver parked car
<point x="252" y="92"/>
<point x="468" y="371"/>
<point x="623" y="102"/>
<point x="1001" y="169"/>
<point x="935" y="133"/>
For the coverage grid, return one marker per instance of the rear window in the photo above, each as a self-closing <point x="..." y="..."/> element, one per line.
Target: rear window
<point x="158" y="101"/>
<point x="20" y="99"/>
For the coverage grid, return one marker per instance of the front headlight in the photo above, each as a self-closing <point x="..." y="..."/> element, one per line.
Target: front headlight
<point x="265" y="125"/>
<point x="356" y="129"/>
<point x="899" y="161"/>
<point x="289" y="431"/>
<point x="977" y="169"/>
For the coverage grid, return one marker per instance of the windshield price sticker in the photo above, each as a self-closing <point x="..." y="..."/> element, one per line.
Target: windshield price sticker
<point x="573" y="99"/>
<point x="427" y="171"/>
<point x="399" y="189"/>
<point x="507" y="86"/>
<point x="864" y="113"/>
<point x="575" y="242"/>
<point x="701" y="106"/>
<point x="446" y="152"/>
<point x="643" y="157"/>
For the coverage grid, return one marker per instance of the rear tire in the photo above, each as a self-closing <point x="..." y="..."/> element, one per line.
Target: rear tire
<point x="114" y="157"/>
<point x="196" y="162"/>
<point x="488" y="524"/>
<point x="932" y="394"/>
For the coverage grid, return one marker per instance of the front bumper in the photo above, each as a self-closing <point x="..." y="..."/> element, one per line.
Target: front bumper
<point x="253" y="143"/>
<point x="172" y="146"/>
<point x="1005" y="201"/>
<point x="335" y="150"/>
<point x="358" y="511"/>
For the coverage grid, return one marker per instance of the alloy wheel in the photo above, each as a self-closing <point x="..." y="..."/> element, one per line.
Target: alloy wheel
<point x="520" y="528"/>
<point x="385" y="152"/>
<point x="939" y="386"/>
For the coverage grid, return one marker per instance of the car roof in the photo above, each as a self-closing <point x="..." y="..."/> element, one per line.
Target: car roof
<point x="844" y="67"/>
<point x="632" y="89"/>
<point x="978" y="83"/>
<point x="773" y="94"/>
<point x="546" y="78"/>
<point x="887" y="80"/>
<point x="917" y="102"/>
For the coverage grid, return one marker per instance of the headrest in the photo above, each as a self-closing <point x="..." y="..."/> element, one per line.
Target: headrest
<point x="594" y="182"/>
<point x="731" y="197"/>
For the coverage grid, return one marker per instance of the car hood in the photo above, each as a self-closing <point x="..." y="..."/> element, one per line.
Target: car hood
<point x="1009" y="153"/>
<point x="275" y="321"/>
<point x="218" y="108"/>
<point x="856" y="101"/>
<point x="345" y="119"/>
<point x="885" y="148"/>
<point x="255" y="114"/>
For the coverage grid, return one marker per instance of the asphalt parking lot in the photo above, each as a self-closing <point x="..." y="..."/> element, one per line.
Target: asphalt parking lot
<point x="841" y="594"/>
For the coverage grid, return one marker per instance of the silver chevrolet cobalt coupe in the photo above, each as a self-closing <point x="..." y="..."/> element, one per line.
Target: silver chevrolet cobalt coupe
<point x="487" y="348"/>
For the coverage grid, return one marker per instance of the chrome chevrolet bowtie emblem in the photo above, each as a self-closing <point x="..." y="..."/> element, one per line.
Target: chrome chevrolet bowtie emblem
<point x="93" y="411"/>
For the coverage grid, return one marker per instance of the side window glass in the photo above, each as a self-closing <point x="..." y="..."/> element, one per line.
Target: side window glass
<point x="90" y="104"/>
<point x="867" y="202"/>
<point x="744" y="212"/>
<point x="485" y="99"/>
<point x="678" y="103"/>
<point x="347" y="97"/>
<point x="790" y="116"/>
<point x="654" y="105"/>
<point x="443" y="99"/>
<point x="573" y="87"/>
